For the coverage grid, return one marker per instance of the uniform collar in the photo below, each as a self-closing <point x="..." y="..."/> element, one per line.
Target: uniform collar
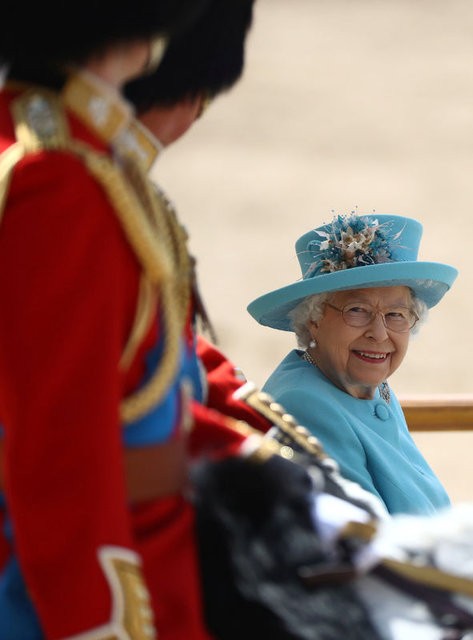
<point x="103" y="109"/>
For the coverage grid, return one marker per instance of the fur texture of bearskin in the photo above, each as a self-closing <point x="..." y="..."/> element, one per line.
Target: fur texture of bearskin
<point x="208" y="58"/>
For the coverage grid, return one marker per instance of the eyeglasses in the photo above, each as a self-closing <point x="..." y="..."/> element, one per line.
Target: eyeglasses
<point x="360" y="314"/>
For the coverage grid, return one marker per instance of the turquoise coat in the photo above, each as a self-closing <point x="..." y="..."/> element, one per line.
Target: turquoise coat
<point x="368" y="438"/>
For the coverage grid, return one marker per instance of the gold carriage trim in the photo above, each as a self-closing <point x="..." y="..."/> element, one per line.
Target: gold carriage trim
<point x="430" y="577"/>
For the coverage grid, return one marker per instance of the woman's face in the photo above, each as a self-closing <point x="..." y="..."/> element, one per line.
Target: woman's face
<point x="358" y="359"/>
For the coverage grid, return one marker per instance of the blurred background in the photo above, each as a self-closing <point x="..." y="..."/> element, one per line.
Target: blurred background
<point x="343" y="105"/>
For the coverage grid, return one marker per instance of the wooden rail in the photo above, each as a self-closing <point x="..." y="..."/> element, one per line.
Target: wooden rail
<point x="439" y="412"/>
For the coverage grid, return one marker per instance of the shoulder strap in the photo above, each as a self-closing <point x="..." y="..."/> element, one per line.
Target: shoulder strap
<point x="39" y="123"/>
<point x="39" y="120"/>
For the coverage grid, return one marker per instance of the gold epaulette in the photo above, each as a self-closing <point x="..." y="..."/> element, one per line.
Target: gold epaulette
<point x="40" y="121"/>
<point x="39" y="124"/>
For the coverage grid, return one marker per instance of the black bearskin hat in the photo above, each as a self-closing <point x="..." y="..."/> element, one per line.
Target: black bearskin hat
<point x="208" y="58"/>
<point x="45" y="34"/>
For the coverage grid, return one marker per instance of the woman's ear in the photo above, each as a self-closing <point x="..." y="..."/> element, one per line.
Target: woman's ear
<point x="313" y="328"/>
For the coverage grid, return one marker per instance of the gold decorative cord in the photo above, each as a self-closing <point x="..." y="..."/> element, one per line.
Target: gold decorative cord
<point x="178" y="239"/>
<point x="40" y="123"/>
<point x="8" y="160"/>
<point x="154" y="253"/>
<point x="144" y="316"/>
<point x="150" y="249"/>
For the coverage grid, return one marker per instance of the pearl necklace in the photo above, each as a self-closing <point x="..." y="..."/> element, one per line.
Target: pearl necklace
<point x="308" y="358"/>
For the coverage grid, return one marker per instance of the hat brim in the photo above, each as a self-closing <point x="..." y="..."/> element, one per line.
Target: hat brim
<point x="430" y="281"/>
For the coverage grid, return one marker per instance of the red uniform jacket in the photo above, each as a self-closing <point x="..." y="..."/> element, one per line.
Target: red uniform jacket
<point x="97" y="549"/>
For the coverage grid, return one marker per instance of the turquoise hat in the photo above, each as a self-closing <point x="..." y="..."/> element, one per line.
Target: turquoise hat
<point x="355" y="252"/>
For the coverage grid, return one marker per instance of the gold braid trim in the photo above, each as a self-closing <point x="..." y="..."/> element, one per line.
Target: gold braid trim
<point x="131" y="613"/>
<point x="8" y="160"/>
<point x="143" y="400"/>
<point x="186" y="274"/>
<point x="40" y="123"/>
<point x="291" y="432"/>
<point x="150" y="250"/>
<point x="153" y="252"/>
<point x="178" y="237"/>
<point x="163" y="219"/>
<point x="145" y="309"/>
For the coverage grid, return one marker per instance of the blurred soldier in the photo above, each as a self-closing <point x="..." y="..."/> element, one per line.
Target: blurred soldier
<point x="96" y="535"/>
<point x="204" y="63"/>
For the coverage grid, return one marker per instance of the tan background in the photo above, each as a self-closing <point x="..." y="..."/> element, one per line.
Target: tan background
<point x="344" y="104"/>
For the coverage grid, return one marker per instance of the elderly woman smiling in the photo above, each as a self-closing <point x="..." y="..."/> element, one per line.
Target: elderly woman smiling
<point x="362" y="294"/>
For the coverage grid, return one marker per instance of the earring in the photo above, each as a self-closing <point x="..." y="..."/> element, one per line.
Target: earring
<point x="312" y="344"/>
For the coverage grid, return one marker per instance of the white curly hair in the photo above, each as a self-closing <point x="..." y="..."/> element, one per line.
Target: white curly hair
<point x="311" y="309"/>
